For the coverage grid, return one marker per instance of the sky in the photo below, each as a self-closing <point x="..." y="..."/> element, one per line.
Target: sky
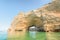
<point x="10" y="8"/>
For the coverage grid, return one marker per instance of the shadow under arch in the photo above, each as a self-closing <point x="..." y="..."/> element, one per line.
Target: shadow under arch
<point x="36" y="28"/>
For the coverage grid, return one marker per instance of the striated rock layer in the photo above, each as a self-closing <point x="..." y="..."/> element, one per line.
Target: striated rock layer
<point x="46" y="18"/>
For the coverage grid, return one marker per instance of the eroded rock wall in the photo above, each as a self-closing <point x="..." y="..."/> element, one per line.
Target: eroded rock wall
<point x="48" y="17"/>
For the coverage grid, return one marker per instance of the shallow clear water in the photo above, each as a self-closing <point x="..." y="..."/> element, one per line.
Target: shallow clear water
<point x="3" y="35"/>
<point x="31" y="35"/>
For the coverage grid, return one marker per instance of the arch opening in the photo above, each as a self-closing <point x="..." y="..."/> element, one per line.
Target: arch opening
<point x="36" y="28"/>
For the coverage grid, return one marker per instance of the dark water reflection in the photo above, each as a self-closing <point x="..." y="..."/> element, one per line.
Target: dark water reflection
<point x="33" y="35"/>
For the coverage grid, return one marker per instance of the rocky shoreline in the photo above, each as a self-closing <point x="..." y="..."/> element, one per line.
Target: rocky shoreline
<point x="46" y="18"/>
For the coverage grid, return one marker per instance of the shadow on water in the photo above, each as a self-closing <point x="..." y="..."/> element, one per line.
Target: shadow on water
<point x="33" y="35"/>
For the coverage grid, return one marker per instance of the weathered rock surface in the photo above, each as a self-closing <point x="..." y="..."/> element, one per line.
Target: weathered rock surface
<point x="47" y="18"/>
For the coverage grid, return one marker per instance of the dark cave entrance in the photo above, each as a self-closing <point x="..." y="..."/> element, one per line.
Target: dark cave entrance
<point x="32" y="28"/>
<point x="36" y="28"/>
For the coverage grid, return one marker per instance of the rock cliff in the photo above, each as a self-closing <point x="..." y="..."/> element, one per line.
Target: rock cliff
<point x="46" y="17"/>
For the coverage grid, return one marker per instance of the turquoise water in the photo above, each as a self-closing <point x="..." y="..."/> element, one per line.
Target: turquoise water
<point x="32" y="35"/>
<point x="3" y="35"/>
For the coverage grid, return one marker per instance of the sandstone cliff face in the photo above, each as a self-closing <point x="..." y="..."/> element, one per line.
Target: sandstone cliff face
<point x="47" y="17"/>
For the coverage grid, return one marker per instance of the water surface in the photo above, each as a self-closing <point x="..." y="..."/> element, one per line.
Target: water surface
<point x="31" y="35"/>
